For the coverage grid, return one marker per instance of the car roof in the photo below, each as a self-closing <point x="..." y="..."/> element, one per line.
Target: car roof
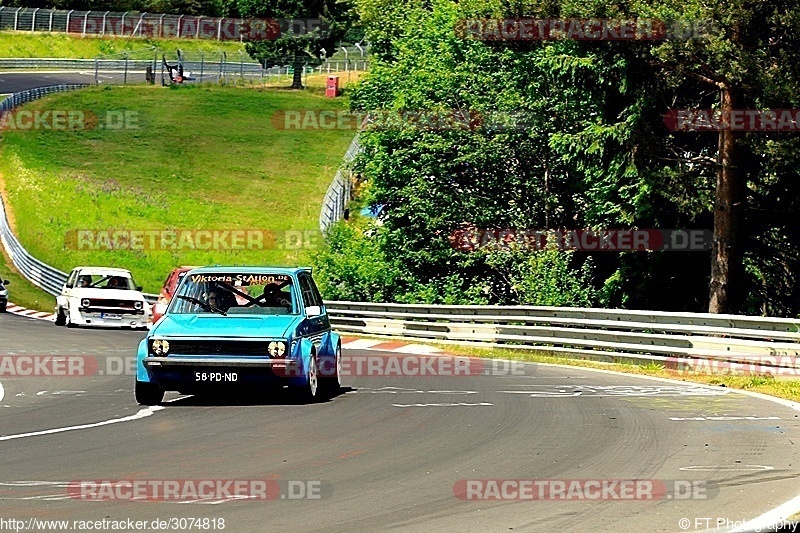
<point x="104" y="270"/>
<point x="251" y="269"/>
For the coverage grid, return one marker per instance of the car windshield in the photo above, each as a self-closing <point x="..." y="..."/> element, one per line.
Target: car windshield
<point x="235" y="293"/>
<point x="105" y="281"/>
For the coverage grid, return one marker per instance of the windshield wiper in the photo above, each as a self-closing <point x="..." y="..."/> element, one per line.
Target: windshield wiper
<point x="204" y="305"/>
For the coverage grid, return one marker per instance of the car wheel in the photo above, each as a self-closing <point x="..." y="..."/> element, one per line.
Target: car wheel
<point x="3" y="308"/>
<point x="148" y="393"/>
<point x="309" y="391"/>
<point x="331" y="382"/>
<point x="61" y="319"/>
<point x="68" y="319"/>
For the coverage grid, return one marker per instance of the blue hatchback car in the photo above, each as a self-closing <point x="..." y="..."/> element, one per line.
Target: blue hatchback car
<point x="230" y="328"/>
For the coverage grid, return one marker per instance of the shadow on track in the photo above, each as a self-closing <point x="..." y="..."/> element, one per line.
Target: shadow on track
<point x="276" y="396"/>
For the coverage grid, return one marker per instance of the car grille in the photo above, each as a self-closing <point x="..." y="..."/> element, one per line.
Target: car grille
<point x="120" y="304"/>
<point x="205" y="347"/>
<point x="113" y="306"/>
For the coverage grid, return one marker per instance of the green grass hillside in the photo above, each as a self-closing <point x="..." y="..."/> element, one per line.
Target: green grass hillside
<point x="62" y="45"/>
<point x="199" y="158"/>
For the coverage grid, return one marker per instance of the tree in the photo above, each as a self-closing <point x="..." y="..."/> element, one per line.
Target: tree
<point x="307" y="27"/>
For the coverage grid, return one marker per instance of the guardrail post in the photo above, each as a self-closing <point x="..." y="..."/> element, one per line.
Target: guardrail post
<point x="33" y="20"/>
<point x="202" y="64"/>
<point x="125" y="76"/>
<point x="16" y="18"/>
<point x="50" y="25"/>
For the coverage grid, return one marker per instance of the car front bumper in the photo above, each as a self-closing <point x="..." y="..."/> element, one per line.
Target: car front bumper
<point x="119" y="320"/>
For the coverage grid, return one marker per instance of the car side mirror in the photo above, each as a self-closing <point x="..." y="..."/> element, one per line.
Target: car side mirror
<point x="139" y="288"/>
<point x="6" y="282"/>
<point x="313" y="310"/>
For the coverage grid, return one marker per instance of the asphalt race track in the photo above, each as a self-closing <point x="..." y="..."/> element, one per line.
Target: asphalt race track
<point x="392" y="452"/>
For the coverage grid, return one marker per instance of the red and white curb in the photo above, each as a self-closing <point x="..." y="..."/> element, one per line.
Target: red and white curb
<point x="30" y="313"/>
<point x="353" y="343"/>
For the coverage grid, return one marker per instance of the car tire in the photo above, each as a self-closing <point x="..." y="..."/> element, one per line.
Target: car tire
<point x="61" y="319"/>
<point x="3" y="308"/>
<point x="309" y="392"/>
<point x="148" y="393"/>
<point x="330" y="385"/>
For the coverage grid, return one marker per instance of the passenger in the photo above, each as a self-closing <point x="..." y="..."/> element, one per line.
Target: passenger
<point x="273" y="297"/>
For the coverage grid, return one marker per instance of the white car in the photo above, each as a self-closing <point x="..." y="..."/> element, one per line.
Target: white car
<point x="100" y="296"/>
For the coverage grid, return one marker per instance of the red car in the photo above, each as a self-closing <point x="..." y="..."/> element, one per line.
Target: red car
<point x="170" y="284"/>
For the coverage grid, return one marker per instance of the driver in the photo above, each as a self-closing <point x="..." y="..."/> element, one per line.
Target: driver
<point x="84" y="281"/>
<point x="220" y="299"/>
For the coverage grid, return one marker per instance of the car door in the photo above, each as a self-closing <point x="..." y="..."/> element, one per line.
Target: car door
<point x="67" y="289"/>
<point x="317" y="324"/>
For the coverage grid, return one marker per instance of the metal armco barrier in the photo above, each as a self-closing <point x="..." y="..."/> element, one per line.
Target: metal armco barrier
<point x="600" y="334"/>
<point x="17" y="99"/>
<point x="338" y="194"/>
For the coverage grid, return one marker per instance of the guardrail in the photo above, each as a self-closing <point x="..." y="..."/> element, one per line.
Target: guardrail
<point x="338" y="194"/>
<point x="599" y="334"/>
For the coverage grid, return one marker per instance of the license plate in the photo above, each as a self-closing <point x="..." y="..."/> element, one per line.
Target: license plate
<point x="113" y="316"/>
<point x="216" y="377"/>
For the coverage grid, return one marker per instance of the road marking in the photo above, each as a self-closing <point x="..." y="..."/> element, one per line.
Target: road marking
<point x="481" y="404"/>
<point x="563" y="391"/>
<point x="727" y="468"/>
<point x="723" y="418"/>
<point x="143" y="413"/>
<point x="400" y="390"/>
<point x="2" y="392"/>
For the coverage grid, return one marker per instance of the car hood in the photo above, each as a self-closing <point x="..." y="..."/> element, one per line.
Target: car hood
<point x="273" y="326"/>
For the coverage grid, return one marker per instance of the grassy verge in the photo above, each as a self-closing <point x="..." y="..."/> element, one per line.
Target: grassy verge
<point x="199" y="158"/>
<point x="24" y="293"/>
<point x="781" y="387"/>
<point x="60" y="45"/>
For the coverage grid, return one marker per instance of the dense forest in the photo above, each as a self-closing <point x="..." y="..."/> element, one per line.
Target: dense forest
<point x="558" y="131"/>
<point x="594" y="151"/>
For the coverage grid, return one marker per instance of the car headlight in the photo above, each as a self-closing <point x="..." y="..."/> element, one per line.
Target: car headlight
<point x="137" y="306"/>
<point x="160" y="347"/>
<point x="276" y="349"/>
<point x="85" y="302"/>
